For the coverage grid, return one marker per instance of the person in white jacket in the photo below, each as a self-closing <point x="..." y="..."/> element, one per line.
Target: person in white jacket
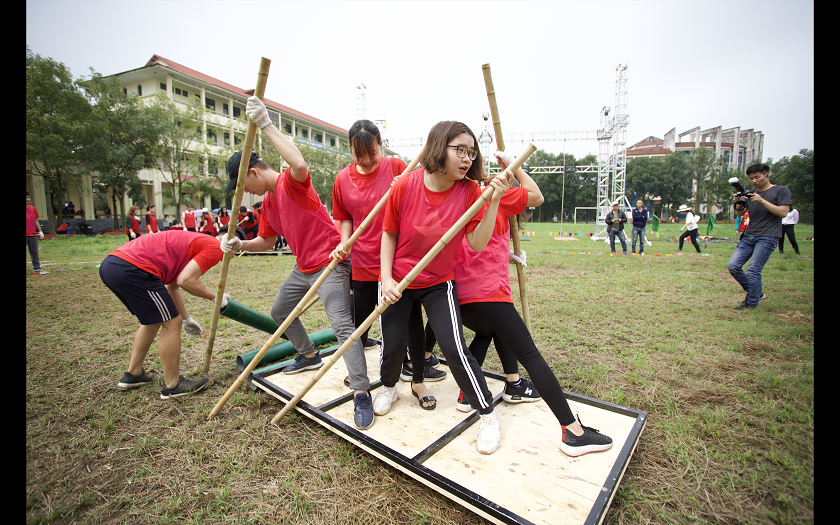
<point x="690" y="226"/>
<point x="787" y="229"/>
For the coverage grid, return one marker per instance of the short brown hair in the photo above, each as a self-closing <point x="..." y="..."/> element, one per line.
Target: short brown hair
<point x="433" y="157"/>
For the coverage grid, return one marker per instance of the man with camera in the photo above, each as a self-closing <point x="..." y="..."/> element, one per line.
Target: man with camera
<point x="767" y="205"/>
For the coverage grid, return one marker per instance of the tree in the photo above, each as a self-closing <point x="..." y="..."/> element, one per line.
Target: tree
<point x="122" y="134"/>
<point x="181" y="149"/>
<point x="666" y="177"/>
<point x="56" y="117"/>
<point x="797" y="173"/>
<point x="323" y="165"/>
<point x="708" y="178"/>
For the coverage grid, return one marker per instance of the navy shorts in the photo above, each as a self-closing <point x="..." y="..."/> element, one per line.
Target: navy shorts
<point x="140" y="291"/>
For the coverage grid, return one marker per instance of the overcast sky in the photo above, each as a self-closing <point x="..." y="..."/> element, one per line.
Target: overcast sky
<point x="708" y="63"/>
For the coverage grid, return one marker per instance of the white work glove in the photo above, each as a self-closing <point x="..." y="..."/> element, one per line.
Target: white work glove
<point x="505" y="157"/>
<point x="191" y="327"/>
<point x="133" y="235"/>
<point x="255" y="109"/>
<point x="520" y="259"/>
<point x="233" y="244"/>
<point x="225" y="298"/>
<point x="40" y="235"/>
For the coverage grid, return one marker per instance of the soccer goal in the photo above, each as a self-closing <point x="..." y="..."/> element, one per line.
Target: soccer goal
<point x="585" y="213"/>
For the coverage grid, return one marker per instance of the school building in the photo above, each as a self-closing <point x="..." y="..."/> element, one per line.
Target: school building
<point x="738" y="147"/>
<point x="226" y="106"/>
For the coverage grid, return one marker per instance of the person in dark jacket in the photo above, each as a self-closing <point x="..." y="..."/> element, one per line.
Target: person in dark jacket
<point x="615" y="227"/>
<point x="640" y="219"/>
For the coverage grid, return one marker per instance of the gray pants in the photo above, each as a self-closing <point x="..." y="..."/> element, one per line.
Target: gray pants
<point x="334" y="293"/>
<point x="32" y="244"/>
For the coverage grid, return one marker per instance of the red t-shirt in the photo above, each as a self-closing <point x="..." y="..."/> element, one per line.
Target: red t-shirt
<point x="31" y="217"/>
<point x="354" y="197"/>
<point x="294" y="211"/>
<point x="485" y="276"/>
<point x="420" y="222"/>
<point x="167" y="253"/>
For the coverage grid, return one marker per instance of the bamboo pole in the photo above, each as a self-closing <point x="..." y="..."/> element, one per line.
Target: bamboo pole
<point x="514" y="223"/>
<point x="247" y="147"/>
<point x="447" y="237"/>
<point x="305" y="301"/>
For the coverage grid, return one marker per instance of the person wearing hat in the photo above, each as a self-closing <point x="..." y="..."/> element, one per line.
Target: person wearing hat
<point x="690" y="226"/>
<point x="292" y="208"/>
<point x="767" y="206"/>
<point x="615" y="227"/>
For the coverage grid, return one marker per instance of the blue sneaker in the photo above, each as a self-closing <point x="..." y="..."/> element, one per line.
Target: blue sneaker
<point x="363" y="411"/>
<point x="304" y="363"/>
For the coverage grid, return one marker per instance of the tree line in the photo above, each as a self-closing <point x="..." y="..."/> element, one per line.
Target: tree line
<point x="91" y="125"/>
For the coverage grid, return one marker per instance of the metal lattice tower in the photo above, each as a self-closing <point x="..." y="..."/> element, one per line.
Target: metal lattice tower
<point x="612" y="168"/>
<point x="603" y="204"/>
<point x="618" y="160"/>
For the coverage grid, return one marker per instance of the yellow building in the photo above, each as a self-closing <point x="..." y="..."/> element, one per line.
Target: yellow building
<point x="226" y="104"/>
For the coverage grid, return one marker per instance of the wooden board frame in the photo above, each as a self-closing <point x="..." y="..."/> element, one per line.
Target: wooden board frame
<point x="458" y="492"/>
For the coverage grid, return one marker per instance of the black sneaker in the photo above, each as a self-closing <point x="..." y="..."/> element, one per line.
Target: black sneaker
<point x="746" y="306"/>
<point x="183" y="387"/>
<point x="129" y="381"/>
<point x="591" y="441"/>
<point x="429" y="373"/>
<point x="304" y="363"/>
<point x="525" y="393"/>
<point x="763" y="296"/>
<point x="433" y="361"/>
<point x="363" y="411"/>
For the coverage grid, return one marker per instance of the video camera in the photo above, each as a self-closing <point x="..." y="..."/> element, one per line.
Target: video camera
<point x="742" y="194"/>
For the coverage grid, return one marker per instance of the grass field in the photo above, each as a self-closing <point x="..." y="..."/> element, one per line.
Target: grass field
<point x="729" y="395"/>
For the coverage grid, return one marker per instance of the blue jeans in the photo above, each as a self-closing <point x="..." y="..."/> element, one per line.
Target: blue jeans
<point x="640" y="234"/>
<point x="621" y="238"/>
<point x="757" y="250"/>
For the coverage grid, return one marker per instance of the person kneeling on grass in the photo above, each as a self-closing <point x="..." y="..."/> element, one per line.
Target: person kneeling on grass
<point x="147" y="276"/>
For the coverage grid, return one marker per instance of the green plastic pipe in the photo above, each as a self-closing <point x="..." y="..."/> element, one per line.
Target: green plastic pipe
<point x="249" y="317"/>
<point x="284" y="349"/>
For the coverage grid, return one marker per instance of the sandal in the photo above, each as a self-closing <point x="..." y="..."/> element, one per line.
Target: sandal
<point x="427" y="399"/>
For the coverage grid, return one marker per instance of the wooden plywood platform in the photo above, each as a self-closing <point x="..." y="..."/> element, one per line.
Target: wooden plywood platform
<point x="527" y="481"/>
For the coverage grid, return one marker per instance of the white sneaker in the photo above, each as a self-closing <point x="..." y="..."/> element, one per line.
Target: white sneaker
<point x="382" y="403"/>
<point x="489" y="434"/>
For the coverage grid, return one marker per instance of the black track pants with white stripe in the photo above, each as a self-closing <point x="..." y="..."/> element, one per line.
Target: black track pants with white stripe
<point x="441" y="305"/>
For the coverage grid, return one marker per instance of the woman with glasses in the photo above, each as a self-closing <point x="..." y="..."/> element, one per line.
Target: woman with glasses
<point x="421" y="208"/>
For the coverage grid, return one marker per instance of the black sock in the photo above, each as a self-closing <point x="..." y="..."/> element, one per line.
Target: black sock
<point x="517" y="384"/>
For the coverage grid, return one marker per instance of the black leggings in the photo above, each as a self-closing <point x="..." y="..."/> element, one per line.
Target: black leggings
<point x="399" y="322"/>
<point x="788" y="229"/>
<point x="501" y="321"/>
<point x="693" y="235"/>
<point x="365" y="299"/>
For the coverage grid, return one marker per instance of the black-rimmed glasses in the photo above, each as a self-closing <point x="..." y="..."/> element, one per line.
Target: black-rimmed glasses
<point x="463" y="151"/>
